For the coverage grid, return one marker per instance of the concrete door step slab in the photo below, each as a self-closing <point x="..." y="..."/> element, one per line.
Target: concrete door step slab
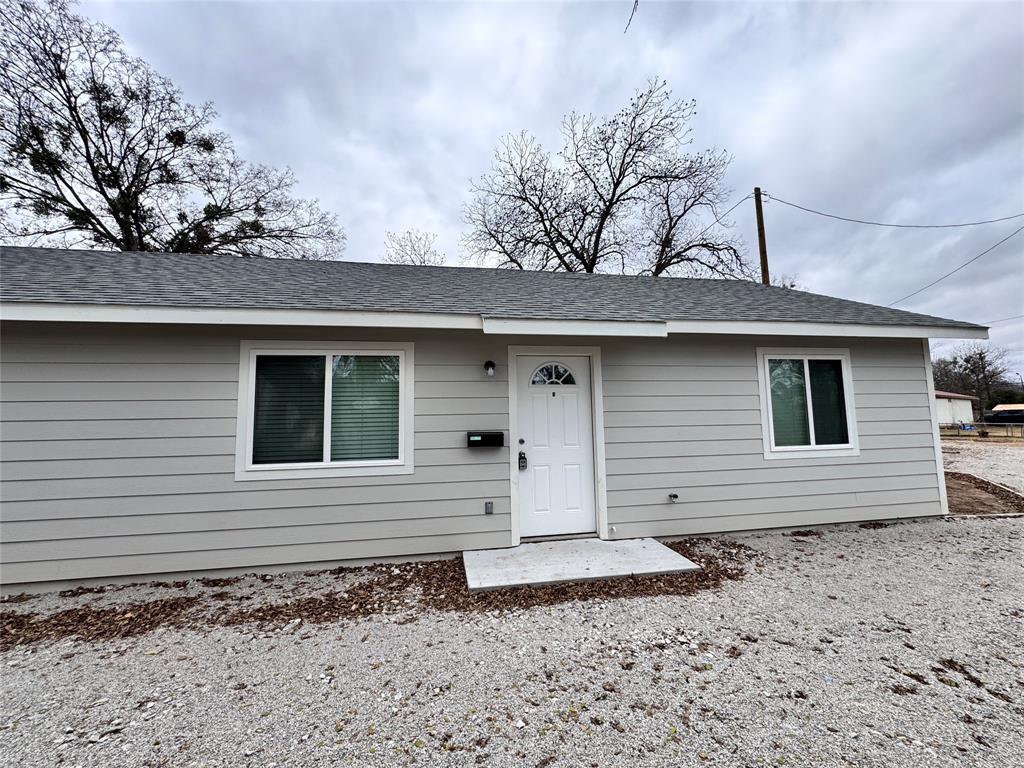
<point x="554" y="562"/>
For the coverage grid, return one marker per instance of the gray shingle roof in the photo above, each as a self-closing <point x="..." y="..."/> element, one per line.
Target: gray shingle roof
<point x="50" y="275"/>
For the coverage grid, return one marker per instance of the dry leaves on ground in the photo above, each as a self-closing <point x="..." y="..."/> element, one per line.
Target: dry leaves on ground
<point x="408" y="589"/>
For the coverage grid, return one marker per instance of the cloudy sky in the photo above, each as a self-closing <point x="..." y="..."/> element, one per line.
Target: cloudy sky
<point x="908" y="113"/>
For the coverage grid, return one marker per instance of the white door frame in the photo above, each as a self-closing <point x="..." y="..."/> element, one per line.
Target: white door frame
<point x="597" y="408"/>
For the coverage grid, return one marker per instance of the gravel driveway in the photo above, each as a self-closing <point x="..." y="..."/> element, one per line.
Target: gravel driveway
<point x="999" y="462"/>
<point x="892" y="646"/>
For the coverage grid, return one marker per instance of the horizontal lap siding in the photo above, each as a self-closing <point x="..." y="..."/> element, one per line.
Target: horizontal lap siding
<point x="747" y="520"/>
<point x="683" y="417"/>
<point x="117" y="449"/>
<point x="253" y="557"/>
<point x="40" y="468"/>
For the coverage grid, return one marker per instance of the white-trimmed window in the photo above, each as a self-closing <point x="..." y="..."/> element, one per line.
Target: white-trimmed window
<point x="309" y="410"/>
<point x="807" y="403"/>
<point x="553" y="374"/>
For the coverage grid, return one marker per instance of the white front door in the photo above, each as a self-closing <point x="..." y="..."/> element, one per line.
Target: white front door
<point x="555" y="434"/>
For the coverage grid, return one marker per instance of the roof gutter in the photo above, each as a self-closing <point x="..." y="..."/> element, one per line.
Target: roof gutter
<point x="114" y="313"/>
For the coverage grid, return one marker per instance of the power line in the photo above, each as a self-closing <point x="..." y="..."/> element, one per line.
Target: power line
<point x="969" y="261"/>
<point x="1002" y="320"/>
<point x="898" y="226"/>
<point x="718" y="219"/>
<point x="636" y="5"/>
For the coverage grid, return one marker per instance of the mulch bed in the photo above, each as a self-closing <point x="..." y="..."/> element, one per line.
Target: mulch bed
<point x="90" y="624"/>
<point x="410" y="589"/>
<point x="970" y="495"/>
<point x="440" y="585"/>
<point x="407" y="589"/>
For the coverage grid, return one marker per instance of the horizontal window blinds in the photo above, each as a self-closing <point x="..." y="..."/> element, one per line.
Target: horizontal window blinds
<point x="789" y="402"/>
<point x="364" y="407"/>
<point x="288" y="417"/>
<point x="363" y="419"/>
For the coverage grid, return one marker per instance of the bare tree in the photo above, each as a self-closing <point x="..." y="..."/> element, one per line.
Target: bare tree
<point x="97" y="148"/>
<point x="622" y="195"/>
<point x="413" y="246"/>
<point x="976" y="368"/>
<point x="946" y="376"/>
<point x="787" y="281"/>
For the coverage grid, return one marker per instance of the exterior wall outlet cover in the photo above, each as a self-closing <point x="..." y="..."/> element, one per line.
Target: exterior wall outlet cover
<point x="488" y="507"/>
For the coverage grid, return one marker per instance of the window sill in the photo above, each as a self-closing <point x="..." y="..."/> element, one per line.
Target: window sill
<point x="322" y="472"/>
<point x="815" y="452"/>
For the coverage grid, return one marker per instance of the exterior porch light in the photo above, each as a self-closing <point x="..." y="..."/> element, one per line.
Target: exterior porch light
<point x="489" y="367"/>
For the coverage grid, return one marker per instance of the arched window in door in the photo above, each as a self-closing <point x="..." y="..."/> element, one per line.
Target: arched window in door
<point x="553" y="374"/>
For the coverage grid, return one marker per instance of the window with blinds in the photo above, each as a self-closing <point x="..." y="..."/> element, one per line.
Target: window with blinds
<point x="288" y="409"/>
<point x="326" y="409"/>
<point x="808" y="401"/>
<point x="790" y="424"/>
<point x="364" y="407"/>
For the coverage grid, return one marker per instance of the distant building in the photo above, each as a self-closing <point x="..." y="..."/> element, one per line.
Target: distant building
<point x="1007" y="406"/>
<point x="953" y="408"/>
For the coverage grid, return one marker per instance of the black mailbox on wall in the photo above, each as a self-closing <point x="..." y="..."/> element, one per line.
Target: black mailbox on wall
<point x="485" y="439"/>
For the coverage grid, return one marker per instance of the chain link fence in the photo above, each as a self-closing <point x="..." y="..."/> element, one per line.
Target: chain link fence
<point x="981" y="429"/>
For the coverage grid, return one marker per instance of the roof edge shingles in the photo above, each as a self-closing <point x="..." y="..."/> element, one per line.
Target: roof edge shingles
<point x="84" y="277"/>
<point x="953" y="395"/>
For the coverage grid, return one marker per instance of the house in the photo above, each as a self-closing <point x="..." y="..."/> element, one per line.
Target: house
<point x="954" y="408"/>
<point x="1008" y="407"/>
<point x="166" y="413"/>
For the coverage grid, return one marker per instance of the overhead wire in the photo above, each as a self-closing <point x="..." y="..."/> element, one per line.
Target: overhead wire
<point x="954" y="271"/>
<point x="1002" y="320"/>
<point x="887" y="224"/>
<point x="718" y="219"/>
<point x="917" y="226"/>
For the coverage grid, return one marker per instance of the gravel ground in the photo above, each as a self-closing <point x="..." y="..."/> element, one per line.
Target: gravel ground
<point x="896" y="645"/>
<point x="999" y="462"/>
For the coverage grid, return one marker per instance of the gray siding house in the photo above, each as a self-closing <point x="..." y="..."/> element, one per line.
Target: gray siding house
<point x="168" y="413"/>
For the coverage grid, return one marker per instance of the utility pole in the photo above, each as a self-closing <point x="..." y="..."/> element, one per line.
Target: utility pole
<point x="760" y="237"/>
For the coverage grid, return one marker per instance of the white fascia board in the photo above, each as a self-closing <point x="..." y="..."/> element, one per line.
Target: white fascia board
<point x="118" y="313"/>
<point x="824" y="329"/>
<point x="111" y="313"/>
<point x="574" y="327"/>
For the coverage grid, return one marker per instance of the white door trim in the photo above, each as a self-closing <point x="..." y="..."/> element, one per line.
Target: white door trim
<point x="597" y="408"/>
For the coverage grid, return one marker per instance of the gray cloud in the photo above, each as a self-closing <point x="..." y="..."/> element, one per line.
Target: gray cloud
<point x="909" y="112"/>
